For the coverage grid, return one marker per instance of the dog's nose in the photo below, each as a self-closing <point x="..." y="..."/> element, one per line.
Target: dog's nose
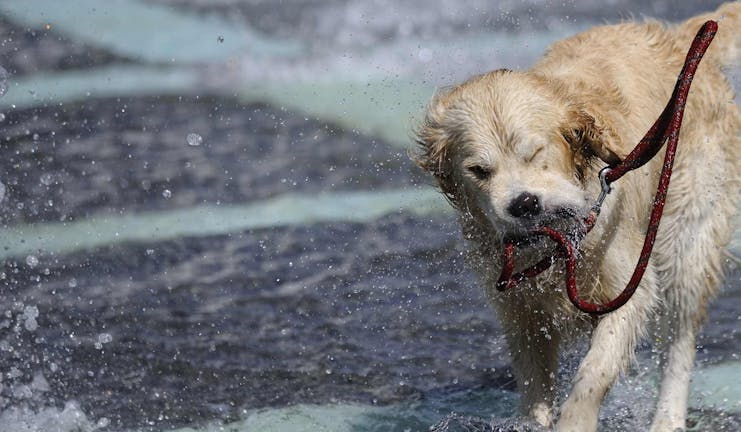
<point x="525" y="205"/>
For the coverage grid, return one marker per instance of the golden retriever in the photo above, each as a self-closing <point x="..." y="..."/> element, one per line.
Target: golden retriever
<point x="513" y="150"/>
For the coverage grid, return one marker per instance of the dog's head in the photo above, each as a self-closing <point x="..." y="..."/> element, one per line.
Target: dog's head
<point x="516" y="150"/>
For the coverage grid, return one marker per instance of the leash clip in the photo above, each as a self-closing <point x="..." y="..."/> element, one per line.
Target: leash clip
<point x="606" y="189"/>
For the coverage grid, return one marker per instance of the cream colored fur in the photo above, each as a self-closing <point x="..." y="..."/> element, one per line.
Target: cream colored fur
<point x="547" y="131"/>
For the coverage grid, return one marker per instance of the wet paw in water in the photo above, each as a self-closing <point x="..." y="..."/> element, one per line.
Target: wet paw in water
<point x="459" y="423"/>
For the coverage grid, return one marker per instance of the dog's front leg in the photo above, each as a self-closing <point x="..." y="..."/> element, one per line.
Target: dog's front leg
<point x="612" y="347"/>
<point x="533" y="343"/>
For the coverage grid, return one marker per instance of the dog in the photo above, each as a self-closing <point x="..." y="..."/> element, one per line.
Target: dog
<point x="516" y="150"/>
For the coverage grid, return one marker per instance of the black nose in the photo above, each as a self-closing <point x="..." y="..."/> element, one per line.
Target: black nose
<point x="525" y="205"/>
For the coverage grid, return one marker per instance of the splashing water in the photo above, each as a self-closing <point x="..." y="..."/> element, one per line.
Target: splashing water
<point x="70" y="418"/>
<point x="4" y="75"/>
<point x="458" y="423"/>
<point x="193" y="139"/>
<point x="32" y="261"/>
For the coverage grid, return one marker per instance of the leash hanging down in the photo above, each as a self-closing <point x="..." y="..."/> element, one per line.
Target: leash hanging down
<point x="665" y="129"/>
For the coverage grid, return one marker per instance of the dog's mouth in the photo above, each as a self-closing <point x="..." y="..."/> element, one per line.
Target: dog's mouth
<point x="564" y="213"/>
<point x="564" y="219"/>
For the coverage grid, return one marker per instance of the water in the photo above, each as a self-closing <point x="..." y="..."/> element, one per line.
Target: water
<point x="228" y="235"/>
<point x="194" y="139"/>
<point x="3" y="82"/>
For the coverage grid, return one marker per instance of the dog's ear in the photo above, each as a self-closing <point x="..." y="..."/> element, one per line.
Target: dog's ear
<point x="433" y="140"/>
<point x="588" y="134"/>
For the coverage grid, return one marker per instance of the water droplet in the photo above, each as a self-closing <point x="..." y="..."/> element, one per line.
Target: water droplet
<point x="30" y="313"/>
<point x="167" y="193"/>
<point x="194" y="139"/>
<point x="32" y="261"/>
<point x="105" y="338"/>
<point x="22" y="392"/>
<point x="103" y="422"/>
<point x="46" y="179"/>
<point x="4" y="75"/>
<point x="30" y="324"/>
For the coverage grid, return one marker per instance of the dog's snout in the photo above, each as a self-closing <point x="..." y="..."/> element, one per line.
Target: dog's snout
<point x="524" y="205"/>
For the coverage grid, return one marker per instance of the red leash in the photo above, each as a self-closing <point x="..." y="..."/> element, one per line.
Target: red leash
<point x="665" y="129"/>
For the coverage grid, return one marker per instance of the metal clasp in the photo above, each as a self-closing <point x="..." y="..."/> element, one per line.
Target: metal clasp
<point x="606" y="189"/>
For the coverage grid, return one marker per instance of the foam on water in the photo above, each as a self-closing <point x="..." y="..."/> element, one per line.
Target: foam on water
<point x="68" y="419"/>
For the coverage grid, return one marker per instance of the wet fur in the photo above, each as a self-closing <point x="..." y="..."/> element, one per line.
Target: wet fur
<point x="548" y="131"/>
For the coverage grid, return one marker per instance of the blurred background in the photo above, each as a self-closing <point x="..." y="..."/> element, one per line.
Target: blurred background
<point x="210" y="220"/>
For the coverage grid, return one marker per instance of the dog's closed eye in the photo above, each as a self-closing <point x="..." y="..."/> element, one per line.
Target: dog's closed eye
<point x="479" y="172"/>
<point x="535" y="154"/>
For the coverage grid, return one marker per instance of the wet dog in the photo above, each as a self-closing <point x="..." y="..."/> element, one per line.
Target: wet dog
<point x="514" y="150"/>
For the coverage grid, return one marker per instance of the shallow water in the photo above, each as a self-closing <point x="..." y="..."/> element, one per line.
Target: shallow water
<point x="291" y="269"/>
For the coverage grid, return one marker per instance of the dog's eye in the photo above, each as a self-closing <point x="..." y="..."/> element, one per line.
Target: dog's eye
<point x="574" y="136"/>
<point x="535" y="154"/>
<point x="479" y="172"/>
<point x="577" y="133"/>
